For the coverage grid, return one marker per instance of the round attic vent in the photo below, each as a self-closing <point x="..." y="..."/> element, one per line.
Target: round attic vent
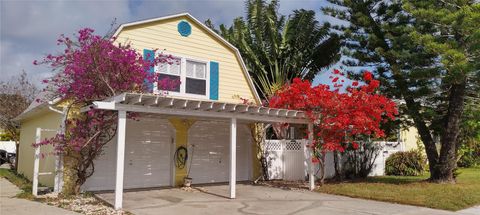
<point x="184" y="28"/>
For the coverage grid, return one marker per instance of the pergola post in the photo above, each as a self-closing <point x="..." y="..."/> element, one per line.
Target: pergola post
<point x="36" y="162"/>
<point x="311" y="178"/>
<point x="122" y="121"/>
<point x="233" y="156"/>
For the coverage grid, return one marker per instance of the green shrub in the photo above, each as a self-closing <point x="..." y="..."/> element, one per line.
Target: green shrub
<point x="410" y="163"/>
<point x="469" y="153"/>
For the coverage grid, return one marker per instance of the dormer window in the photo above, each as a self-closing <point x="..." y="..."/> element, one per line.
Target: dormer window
<point x="196" y="80"/>
<point x="171" y="71"/>
<point x="193" y="75"/>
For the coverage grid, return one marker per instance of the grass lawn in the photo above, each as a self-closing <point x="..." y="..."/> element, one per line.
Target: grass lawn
<point x="18" y="180"/>
<point x="414" y="190"/>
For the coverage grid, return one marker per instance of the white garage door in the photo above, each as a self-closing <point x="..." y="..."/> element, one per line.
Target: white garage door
<point x="147" y="157"/>
<point x="211" y="142"/>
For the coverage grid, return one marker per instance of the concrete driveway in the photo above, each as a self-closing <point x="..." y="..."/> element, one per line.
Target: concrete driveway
<point x="255" y="200"/>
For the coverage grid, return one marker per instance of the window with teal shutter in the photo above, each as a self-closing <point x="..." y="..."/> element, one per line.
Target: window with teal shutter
<point x="150" y="56"/>
<point x="214" y="80"/>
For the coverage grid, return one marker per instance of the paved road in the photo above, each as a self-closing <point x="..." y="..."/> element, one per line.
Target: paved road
<point x="257" y="200"/>
<point x="10" y="205"/>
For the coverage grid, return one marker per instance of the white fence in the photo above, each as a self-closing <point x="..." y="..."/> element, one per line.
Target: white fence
<point x="287" y="159"/>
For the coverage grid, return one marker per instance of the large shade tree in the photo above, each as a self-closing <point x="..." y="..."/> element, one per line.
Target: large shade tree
<point x="15" y="97"/>
<point x="426" y="54"/>
<point x="277" y="48"/>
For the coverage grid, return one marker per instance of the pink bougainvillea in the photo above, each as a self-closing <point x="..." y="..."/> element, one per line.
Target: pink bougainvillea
<point x="92" y="68"/>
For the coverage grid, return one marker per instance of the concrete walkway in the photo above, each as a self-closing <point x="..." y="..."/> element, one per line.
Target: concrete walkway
<point x="11" y="205"/>
<point x="256" y="200"/>
<point x="470" y="211"/>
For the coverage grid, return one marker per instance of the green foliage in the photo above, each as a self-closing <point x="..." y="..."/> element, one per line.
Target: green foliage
<point x="277" y="48"/>
<point x="15" y="96"/>
<point x="426" y="53"/>
<point x="6" y="137"/>
<point x="469" y="155"/>
<point x="469" y="139"/>
<point x="410" y="163"/>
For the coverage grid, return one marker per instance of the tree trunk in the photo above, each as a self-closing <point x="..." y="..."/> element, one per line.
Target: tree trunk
<point x="443" y="170"/>
<point x="337" y="160"/>
<point x="424" y="132"/>
<point x="322" y="165"/>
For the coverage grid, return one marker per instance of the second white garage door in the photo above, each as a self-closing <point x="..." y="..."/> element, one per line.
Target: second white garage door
<point x="211" y="142"/>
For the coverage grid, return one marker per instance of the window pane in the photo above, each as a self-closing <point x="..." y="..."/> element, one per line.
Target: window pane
<point x="162" y="68"/>
<point x="190" y="68"/>
<point x="175" y="67"/>
<point x="168" y="82"/>
<point x="196" y="86"/>
<point x="200" y="70"/>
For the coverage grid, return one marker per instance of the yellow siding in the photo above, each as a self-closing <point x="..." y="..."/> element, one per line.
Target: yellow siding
<point x="181" y="139"/>
<point x="49" y="120"/>
<point x="163" y="35"/>
<point x="410" y="137"/>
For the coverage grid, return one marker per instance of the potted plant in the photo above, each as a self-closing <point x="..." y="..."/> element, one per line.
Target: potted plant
<point x="187" y="181"/>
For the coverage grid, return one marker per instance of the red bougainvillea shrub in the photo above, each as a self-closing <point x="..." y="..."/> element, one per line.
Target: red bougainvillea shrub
<point x="358" y="111"/>
<point x="92" y="68"/>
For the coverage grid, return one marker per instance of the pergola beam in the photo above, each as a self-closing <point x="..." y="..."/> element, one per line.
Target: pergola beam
<point x="151" y="101"/>
<point x="147" y="103"/>
<point x="206" y="114"/>
<point x="166" y="102"/>
<point x="135" y="100"/>
<point x="206" y="106"/>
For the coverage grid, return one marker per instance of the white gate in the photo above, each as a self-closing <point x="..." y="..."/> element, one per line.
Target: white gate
<point x="286" y="159"/>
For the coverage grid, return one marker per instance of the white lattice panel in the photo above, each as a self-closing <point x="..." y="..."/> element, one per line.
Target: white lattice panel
<point x="273" y="145"/>
<point x="294" y="145"/>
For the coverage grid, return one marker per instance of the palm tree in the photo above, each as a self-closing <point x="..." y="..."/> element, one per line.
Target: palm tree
<point x="277" y="49"/>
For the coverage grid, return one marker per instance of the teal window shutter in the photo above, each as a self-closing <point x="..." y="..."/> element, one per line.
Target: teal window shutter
<point x="150" y="56"/>
<point x="213" y="80"/>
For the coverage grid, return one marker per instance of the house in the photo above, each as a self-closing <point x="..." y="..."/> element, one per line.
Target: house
<point x="410" y="138"/>
<point x="203" y="118"/>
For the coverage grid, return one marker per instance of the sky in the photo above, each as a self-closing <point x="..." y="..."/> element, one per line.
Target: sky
<point x="29" y="29"/>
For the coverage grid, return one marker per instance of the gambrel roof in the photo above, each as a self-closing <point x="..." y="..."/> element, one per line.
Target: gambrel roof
<point x="207" y="29"/>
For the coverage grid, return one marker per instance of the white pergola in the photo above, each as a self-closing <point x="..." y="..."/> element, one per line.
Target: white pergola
<point x="164" y="105"/>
